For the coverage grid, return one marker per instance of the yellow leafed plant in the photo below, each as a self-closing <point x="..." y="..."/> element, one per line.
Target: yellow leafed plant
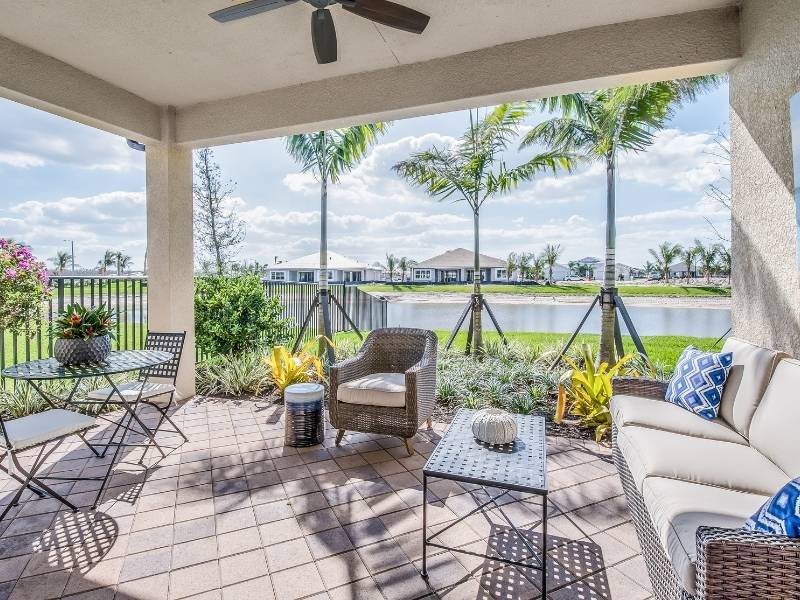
<point x="586" y="392"/>
<point x="287" y="369"/>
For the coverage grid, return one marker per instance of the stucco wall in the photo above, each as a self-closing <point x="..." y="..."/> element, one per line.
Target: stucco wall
<point x="766" y="296"/>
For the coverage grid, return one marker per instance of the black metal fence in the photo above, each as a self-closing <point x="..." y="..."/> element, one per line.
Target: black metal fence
<point x="367" y="311"/>
<point x="127" y="296"/>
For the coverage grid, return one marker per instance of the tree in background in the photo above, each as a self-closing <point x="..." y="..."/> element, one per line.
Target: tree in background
<point x="550" y="254"/>
<point x="720" y="191"/>
<point x="538" y="263"/>
<point x="217" y="229"/>
<point x="60" y="261"/>
<point x="524" y="264"/>
<point x="664" y="255"/>
<point x="405" y="264"/>
<point x="597" y="127"/>
<point x="689" y="256"/>
<point x="472" y="171"/>
<point x="511" y="265"/>
<point x="390" y="266"/>
<point x="724" y="263"/>
<point x="328" y="155"/>
<point x="123" y="261"/>
<point x="108" y="260"/>
<point x="707" y="256"/>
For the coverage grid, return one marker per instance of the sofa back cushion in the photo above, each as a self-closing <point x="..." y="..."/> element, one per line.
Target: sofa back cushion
<point x="747" y="379"/>
<point x="773" y="431"/>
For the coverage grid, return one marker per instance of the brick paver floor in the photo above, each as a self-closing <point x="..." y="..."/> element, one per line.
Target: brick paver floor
<point x="234" y="515"/>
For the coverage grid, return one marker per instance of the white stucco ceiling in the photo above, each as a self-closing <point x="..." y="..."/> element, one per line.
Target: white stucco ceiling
<point x="171" y="52"/>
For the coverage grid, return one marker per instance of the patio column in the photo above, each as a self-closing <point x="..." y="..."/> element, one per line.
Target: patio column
<point x="170" y="244"/>
<point x="766" y="286"/>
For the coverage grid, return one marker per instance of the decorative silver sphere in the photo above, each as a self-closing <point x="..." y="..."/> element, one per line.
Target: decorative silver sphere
<point x="494" y="426"/>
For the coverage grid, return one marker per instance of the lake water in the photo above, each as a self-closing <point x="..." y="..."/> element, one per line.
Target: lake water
<point x="563" y="318"/>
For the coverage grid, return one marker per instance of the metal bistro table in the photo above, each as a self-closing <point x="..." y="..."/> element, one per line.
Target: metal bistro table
<point x="520" y="467"/>
<point x="121" y="361"/>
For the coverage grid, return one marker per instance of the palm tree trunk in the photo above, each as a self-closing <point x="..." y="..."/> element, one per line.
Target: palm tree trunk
<point x="323" y="252"/>
<point x="477" y="330"/>
<point x="606" y="353"/>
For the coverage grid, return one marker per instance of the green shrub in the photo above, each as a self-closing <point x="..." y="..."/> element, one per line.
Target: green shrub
<point x="233" y="315"/>
<point x="233" y="375"/>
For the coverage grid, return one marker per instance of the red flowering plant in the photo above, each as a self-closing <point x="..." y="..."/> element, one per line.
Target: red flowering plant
<point x="80" y="323"/>
<point x="24" y="288"/>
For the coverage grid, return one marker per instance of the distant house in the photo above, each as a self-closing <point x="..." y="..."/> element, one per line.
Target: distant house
<point x="678" y="271"/>
<point x="457" y="266"/>
<point x="624" y="272"/>
<point x="306" y="270"/>
<point x="560" y="272"/>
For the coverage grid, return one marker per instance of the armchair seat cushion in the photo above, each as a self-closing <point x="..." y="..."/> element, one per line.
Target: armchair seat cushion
<point x="678" y="508"/>
<point x="376" y="389"/>
<point x="658" y="453"/>
<point x="658" y="414"/>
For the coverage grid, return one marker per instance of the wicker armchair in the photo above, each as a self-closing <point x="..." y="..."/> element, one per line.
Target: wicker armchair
<point x="395" y="350"/>
<point x="731" y="563"/>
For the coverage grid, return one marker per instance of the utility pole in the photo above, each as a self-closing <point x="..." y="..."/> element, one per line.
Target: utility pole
<point x="72" y="253"/>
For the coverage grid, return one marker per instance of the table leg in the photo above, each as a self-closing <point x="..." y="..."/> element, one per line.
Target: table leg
<point x="544" y="546"/>
<point x="424" y="526"/>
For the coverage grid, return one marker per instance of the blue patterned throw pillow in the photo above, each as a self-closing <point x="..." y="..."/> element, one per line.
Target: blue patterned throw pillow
<point x="698" y="380"/>
<point x="780" y="515"/>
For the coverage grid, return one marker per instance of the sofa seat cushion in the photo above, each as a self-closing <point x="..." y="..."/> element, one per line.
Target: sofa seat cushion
<point x="658" y="453"/>
<point x="678" y="508"/>
<point x="657" y="414"/>
<point x="377" y="389"/>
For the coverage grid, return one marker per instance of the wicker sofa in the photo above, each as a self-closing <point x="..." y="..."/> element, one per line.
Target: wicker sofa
<point x="389" y="387"/>
<point x="692" y="483"/>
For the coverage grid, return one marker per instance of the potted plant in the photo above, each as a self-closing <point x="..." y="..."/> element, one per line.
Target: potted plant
<point x="23" y="288"/>
<point x="82" y="334"/>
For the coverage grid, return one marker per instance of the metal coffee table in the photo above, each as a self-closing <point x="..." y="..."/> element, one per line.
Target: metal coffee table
<point x="518" y="467"/>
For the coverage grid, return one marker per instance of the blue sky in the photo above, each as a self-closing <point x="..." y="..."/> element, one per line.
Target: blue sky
<point x="61" y="180"/>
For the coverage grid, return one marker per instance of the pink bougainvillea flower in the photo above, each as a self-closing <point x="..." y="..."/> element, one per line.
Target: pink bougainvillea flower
<point x="11" y="273"/>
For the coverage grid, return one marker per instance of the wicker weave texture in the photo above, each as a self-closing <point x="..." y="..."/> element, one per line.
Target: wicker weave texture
<point x="391" y="350"/>
<point x="732" y="564"/>
<point x="640" y="386"/>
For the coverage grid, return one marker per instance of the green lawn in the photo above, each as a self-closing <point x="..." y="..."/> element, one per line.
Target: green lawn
<point x="562" y="289"/>
<point x="663" y="350"/>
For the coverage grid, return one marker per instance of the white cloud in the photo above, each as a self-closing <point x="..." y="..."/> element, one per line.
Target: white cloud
<point x="677" y="160"/>
<point x="21" y="160"/>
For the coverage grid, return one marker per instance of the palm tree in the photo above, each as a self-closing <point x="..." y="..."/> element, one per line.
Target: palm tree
<point x="404" y="264"/>
<point x="550" y="255"/>
<point x="60" y="261"/>
<point x="472" y="171"/>
<point x="689" y="255"/>
<point x="707" y="257"/>
<point x="329" y="155"/>
<point x="524" y="264"/>
<point x="725" y="262"/>
<point x="649" y="268"/>
<point x="123" y="262"/>
<point x="537" y="266"/>
<point x="391" y="266"/>
<point x="108" y="260"/>
<point x="665" y="255"/>
<point x="597" y="127"/>
<point x="511" y="265"/>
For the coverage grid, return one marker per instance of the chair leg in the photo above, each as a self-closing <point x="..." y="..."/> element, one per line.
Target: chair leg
<point x="339" y="436"/>
<point x="409" y="446"/>
<point x="430" y="422"/>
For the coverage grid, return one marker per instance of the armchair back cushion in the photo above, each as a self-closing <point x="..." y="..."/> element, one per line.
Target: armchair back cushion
<point x="747" y="379"/>
<point x="774" y="430"/>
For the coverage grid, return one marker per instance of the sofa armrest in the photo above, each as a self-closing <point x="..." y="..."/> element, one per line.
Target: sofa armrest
<point x="640" y="386"/>
<point x="735" y="563"/>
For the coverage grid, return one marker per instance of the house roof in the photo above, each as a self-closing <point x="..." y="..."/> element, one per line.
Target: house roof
<point x="458" y="258"/>
<point x="588" y="260"/>
<point x="311" y="261"/>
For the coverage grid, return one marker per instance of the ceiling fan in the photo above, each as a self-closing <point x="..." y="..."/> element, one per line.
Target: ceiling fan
<point x="323" y="31"/>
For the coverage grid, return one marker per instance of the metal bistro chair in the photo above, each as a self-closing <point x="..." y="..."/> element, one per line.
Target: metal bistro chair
<point x="159" y="394"/>
<point x="37" y="431"/>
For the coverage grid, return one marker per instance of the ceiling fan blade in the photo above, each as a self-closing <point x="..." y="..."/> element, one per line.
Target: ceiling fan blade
<point x="389" y="14"/>
<point x="323" y="35"/>
<point x="247" y="9"/>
